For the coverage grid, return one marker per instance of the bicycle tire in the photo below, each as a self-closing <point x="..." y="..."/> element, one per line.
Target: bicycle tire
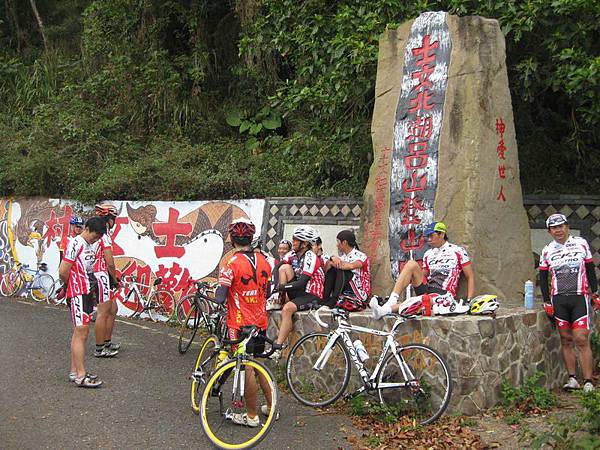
<point x="215" y="424"/>
<point x="11" y="283"/>
<point x="188" y="330"/>
<point x="160" y="304"/>
<point x="206" y="360"/>
<point x="427" y="385"/>
<point x="309" y="386"/>
<point x="42" y="287"/>
<point x="181" y="309"/>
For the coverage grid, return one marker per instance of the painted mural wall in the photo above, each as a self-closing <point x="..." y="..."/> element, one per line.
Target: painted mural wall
<point x="176" y="241"/>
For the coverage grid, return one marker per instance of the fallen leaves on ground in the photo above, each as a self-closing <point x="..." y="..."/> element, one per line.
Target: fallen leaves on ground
<point x="447" y="433"/>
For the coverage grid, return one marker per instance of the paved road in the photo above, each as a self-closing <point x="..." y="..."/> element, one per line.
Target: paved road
<point x="145" y="400"/>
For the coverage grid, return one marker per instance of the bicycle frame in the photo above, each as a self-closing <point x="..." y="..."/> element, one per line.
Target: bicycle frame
<point x="134" y="288"/>
<point x="343" y="331"/>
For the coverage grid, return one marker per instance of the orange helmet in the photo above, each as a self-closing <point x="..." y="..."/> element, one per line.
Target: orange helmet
<point x="106" y="209"/>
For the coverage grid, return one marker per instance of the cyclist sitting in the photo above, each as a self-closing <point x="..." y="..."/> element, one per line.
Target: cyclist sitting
<point x="304" y="283"/>
<point x="76" y="271"/>
<point x="569" y="260"/>
<point x="243" y="284"/>
<point x="442" y="266"/>
<point x="348" y="278"/>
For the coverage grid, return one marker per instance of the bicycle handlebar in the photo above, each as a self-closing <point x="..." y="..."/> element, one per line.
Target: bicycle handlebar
<point x="246" y="336"/>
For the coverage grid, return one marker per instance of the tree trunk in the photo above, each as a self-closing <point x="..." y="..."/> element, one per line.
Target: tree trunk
<point x="38" y="18"/>
<point x="10" y="10"/>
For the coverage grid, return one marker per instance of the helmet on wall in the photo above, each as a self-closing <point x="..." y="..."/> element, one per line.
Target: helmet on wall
<point x="305" y="233"/>
<point x="411" y="306"/>
<point x="242" y="228"/>
<point x="484" y="304"/>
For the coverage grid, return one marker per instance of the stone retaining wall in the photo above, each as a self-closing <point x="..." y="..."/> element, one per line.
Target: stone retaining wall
<point x="480" y="350"/>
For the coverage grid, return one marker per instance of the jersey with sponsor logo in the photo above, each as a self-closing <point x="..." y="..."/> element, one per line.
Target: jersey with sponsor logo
<point x="104" y="243"/>
<point x="81" y="255"/>
<point x="312" y="265"/>
<point x="247" y="275"/>
<point x="566" y="263"/>
<point x="444" y="265"/>
<point x="292" y="259"/>
<point x="361" y="277"/>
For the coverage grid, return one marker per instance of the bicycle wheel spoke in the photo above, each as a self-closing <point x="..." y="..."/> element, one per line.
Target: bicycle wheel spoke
<point x="224" y="402"/>
<point x="42" y="287"/>
<point x="160" y="306"/>
<point x="317" y="386"/>
<point x="420" y="384"/>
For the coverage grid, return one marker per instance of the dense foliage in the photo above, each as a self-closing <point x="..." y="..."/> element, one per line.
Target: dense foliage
<point x="188" y="99"/>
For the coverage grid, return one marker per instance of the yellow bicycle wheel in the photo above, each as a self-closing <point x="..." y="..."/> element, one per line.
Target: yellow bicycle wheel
<point x="205" y="364"/>
<point x="223" y="401"/>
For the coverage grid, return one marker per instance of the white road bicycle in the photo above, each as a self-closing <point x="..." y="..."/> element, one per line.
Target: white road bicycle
<point x="411" y="380"/>
<point x="158" y="304"/>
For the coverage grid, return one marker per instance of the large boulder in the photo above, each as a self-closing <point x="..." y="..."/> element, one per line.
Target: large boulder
<point x="471" y="165"/>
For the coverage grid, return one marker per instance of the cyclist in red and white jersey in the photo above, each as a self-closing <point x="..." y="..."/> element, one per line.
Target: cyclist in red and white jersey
<point x="443" y="264"/>
<point x="76" y="227"/>
<point x="568" y="259"/>
<point x="76" y="271"/>
<point x="105" y="274"/>
<point x="243" y="284"/>
<point x="348" y="278"/>
<point x="307" y="285"/>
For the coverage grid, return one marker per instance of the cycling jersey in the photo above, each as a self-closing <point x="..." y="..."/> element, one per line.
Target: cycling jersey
<point x="310" y="264"/>
<point x="103" y="244"/>
<point x="81" y="255"/>
<point x="247" y="276"/>
<point x="444" y="265"/>
<point x="292" y="259"/>
<point x="361" y="277"/>
<point x="566" y="263"/>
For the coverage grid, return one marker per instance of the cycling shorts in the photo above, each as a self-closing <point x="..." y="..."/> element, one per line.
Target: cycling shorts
<point x="571" y="311"/>
<point x="81" y="309"/>
<point x="427" y="289"/>
<point x="255" y="346"/>
<point x="103" y="287"/>
<point x="302" y="299"/>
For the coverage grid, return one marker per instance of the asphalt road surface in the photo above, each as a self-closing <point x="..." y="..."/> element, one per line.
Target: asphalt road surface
<point x="144" y="402"/>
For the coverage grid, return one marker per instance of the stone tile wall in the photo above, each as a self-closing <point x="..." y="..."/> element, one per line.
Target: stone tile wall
<point x="481" y="351"/>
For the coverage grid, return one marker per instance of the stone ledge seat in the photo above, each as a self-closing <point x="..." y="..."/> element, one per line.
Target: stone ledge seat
<point x="480" y="350"/>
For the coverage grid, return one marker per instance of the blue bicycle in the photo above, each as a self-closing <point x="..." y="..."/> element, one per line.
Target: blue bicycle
<point x="38" y="284"/>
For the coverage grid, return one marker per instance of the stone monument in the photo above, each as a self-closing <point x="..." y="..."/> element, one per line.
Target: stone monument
<point x="445" y="150"/>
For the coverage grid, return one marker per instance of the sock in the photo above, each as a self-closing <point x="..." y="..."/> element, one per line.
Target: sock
<point x="572" y="376"/>
<point x="99" y="347"/>
<point x="587" y="380"/>
<point x="392" y="300"/>
<point x="107" y="343"/>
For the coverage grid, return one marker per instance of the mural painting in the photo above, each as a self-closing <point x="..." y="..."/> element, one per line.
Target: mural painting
<point x="180" y="242"/>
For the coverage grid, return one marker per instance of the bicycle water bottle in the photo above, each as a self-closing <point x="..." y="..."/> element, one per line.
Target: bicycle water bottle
<point x="529" y="294"/>
<point x="361" y="351"/>
<point x="221" y="357"/>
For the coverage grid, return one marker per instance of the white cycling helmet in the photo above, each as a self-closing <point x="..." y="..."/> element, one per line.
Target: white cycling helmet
<point x="305" y="233"/>
<point x="484" y="304"/>
<point x="446" y="304"/>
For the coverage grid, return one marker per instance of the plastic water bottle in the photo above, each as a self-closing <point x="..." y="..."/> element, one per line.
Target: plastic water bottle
<point x="529" y="294"/>
<point x="361" y="351"/>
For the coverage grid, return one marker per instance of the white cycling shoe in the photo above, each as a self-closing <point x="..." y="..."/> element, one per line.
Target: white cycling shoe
<point x="572" y="384"/>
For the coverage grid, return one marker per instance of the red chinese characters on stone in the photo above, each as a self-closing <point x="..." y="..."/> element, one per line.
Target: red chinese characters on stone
<point x="409" y="209"/>
<point x="420" y="128"/>
<point x="411" y="242"/>
<point x="171" y="230"/>
<point x="501" y="152"/>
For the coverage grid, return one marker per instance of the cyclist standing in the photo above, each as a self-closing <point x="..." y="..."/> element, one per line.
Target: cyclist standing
<point x="105" y="274"/>
<point x="76" y="227"/>
<point x="76" y="271"/>
<point x="569" y="260"/>
<point x="442" y="266"/>
<point x="243" y="284"/>
<point x="304" y="284"/>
